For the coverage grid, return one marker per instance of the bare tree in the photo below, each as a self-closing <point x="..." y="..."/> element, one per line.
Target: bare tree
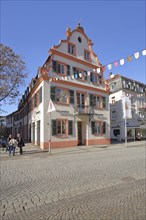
<point x="12" y="74"/>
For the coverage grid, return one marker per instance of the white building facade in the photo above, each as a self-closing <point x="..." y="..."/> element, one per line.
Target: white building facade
<point x="127" y="109"/>
<point x="79" y="93"/>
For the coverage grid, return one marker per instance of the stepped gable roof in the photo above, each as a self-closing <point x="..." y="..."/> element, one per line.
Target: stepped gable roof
<point x="69" y="33"/>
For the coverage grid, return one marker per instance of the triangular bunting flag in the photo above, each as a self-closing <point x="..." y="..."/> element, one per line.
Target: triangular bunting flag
<point x="115" y="63"/>
<point x="129" y="58"/>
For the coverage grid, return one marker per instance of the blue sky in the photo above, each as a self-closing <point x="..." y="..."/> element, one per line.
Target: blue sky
<point x="117" y="29"/>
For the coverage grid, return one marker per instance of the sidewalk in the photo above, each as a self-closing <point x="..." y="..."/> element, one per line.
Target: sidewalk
<point x="32" y="149"/>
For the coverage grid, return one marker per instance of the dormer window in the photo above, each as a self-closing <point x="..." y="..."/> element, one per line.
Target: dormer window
<point x="71" y="49"/>
<point x="86" y="55"/>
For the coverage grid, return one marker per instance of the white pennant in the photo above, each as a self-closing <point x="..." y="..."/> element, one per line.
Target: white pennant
<point x="80" y="75"/>
<point x="109" y="66"/>
<point x="98" y="70"/>
<point x="136" y="55"/>
<point x="144" y="52"/>
<point x="121" y="61"/>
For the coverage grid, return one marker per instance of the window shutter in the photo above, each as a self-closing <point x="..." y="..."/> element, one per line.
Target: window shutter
<point x="103" y="102"/>
<point x="68" y="70"/>
<point x="58" y="68"/>
<point x="54" y="65"/>
<point x="91" y="100"/>
<point x="74" y="70"/>
<point x="71" y="93"/>
<point x="104" y="128"/>
<point x="70" y="127"/>
<point x="53" y="93"/>
<point x="93" y="127"/>
<point x="53" y="127"/>
<point x="40" y="95"/>
<point x="91" y="77"/>
<point x="34" y="99"/>
<point x="85" y="75"/>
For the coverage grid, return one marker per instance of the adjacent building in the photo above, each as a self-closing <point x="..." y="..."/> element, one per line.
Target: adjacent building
<point x="67" y="103"/>
<point x="127" y="108"/>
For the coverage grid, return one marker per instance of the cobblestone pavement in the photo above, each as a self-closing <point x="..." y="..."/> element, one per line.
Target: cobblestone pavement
<point x="95" y="185"/>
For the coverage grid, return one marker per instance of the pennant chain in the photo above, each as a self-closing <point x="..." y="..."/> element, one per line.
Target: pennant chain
<point x="109" y="66"/>
<point x="122" y="61"/>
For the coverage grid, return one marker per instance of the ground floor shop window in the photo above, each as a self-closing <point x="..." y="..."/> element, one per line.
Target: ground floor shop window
<point x="129" y="133"/>
<point x="116" y="132"/>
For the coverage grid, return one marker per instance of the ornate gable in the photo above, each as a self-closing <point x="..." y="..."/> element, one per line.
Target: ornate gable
<point x="78" y="45"/>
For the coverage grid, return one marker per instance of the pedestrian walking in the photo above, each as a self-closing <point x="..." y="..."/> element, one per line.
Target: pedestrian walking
<point x="13" y="143"/>
<point x="8" y="146"/>
<point x="20" y="143"/>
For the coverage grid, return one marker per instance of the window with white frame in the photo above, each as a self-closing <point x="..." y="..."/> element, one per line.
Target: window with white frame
<point x="71" y="48"/>
<point x="62" y="127"/>
<point x="112" y="87"/>
<point x="86" y="55"/>
<point x="79" y="74"/>
<point x="96" y="127"/>
<point x="113" y="114"/>
<point x="58" y="67"/>
<point x="59" y="95"/>
<point x="133" y="113"/>
<point x="95" y="100"/>
<point x="103" y="102"/>
<point x="113" y="100"/>
<point x="94" y="78"/>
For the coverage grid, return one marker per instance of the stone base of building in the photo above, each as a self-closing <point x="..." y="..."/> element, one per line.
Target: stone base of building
<point x="65" y="144"/>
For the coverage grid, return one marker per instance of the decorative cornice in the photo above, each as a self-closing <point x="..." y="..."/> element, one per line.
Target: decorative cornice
<point x="69" y="57"/>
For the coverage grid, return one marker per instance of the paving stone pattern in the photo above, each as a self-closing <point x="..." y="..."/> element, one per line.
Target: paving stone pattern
<point x="99" y="185"/>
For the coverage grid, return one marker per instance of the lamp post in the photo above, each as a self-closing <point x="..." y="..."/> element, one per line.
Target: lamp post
<point x="125" y="130"/>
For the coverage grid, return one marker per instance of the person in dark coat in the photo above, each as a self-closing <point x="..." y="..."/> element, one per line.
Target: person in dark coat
<point x="20" y="143"/>
<point x="8" y="146"/>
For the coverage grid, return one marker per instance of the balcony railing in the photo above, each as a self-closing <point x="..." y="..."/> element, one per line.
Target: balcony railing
<point x="84" y="110"/>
